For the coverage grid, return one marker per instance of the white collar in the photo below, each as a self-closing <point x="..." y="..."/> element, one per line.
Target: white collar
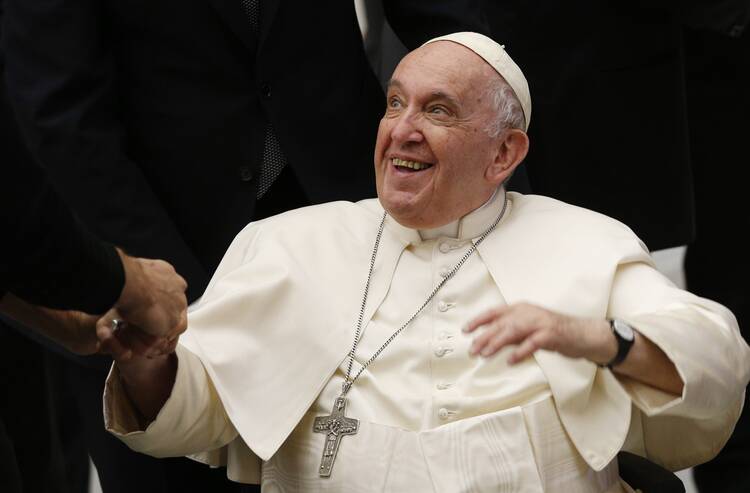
<point x="472" y="224"/>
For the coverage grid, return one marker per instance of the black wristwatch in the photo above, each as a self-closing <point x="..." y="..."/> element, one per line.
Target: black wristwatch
<point x="625" y="335"/>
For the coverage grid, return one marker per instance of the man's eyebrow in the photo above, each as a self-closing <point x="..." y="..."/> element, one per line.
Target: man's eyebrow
<point x="446" y="97"/>
<point x="394" y="83"/>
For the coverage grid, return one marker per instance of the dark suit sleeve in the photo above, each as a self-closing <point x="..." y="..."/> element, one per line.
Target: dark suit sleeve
<point x="417" y="21"/>
<point x="46" y="256"/>
<point x="49" y="258"/>
<point x="62" y="81"/>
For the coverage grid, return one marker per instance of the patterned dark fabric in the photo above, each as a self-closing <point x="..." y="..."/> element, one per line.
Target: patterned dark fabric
<point x="273" y="160"/>
<point x="251" y="8"/>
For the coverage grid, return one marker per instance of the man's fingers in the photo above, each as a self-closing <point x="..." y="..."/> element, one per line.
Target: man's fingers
<point x="528" y="326"/>
<point x="182" y="283"/>
<point x="528" y="347"/>
<point x="170" y="346"/>
<point x="181" y="324"/>
<point x="491" y="331"/>
<point x="109" y="344"/>
<point x="510" y="334"/>
<point x="139" y="342"/>
<point x="482" y="339"/>
<point x="485" y="318"/>
<point x="154" y="297"/>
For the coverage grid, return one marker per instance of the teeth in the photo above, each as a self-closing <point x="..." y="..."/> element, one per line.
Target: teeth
<point x="410" y="164"/>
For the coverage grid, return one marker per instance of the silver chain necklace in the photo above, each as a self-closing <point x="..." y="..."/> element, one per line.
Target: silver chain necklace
<point x="336" y="424"/>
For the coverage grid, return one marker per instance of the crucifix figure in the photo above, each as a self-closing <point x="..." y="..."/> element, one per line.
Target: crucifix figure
<point x="335" y="425"/>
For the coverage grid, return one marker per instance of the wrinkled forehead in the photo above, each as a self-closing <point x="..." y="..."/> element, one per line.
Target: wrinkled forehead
<point x="444" y="63"/>
<point x="450" y="56"/>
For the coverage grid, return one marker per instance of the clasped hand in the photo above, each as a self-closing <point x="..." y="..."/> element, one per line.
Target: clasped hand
<point x="153" y="307"/>
<point x="128" y="340"/>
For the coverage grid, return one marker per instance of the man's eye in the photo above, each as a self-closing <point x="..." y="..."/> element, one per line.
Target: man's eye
<point x="394" y="103"/>
<point x="438" y="110"/>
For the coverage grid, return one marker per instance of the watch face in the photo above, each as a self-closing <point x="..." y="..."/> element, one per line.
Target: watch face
<point x="623" y="330"/>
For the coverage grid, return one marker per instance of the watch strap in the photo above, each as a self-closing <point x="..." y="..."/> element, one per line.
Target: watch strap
<point x="623" y="347"/>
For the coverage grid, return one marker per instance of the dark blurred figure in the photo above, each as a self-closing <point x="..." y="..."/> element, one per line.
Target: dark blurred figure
<point x="49" y="260"/>
<point x="608" y="125"/>
<point x="716" y="264"/>
<point x="31" y="457"/>
<point x="640" y="112"/>
<point x="170" y="125"/>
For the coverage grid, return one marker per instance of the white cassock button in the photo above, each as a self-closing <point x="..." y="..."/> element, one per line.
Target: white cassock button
<point x="443" y="306"/>
<point x="444" y="272"/>
<point x="444" y="247"/>
<point x="442" y="351"/>
<point x="443" y="413"/>
<point x="443" y="385"/>
<point x="445" y="336"/>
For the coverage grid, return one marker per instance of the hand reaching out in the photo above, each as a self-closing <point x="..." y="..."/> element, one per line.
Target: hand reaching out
<point x="73" y="330"/>
<point x="532" y="328"/>
<point x="153" y="300"/>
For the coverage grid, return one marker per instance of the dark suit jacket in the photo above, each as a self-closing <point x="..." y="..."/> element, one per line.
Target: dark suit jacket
<point x="608" y="127"/>
<point x="47" y="256"/>
<point x="151" y="115"/>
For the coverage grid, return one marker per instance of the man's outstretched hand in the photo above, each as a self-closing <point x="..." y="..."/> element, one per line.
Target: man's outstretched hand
<point x="73" y="330"/>
<point x="530" y="328"/>
<point x="152" y="303"/>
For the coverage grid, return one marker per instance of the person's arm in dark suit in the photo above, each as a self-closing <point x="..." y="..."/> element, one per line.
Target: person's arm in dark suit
<point x="49" y="260"/>
<point x="47" y="257"/>
<point x="62" y="81"/>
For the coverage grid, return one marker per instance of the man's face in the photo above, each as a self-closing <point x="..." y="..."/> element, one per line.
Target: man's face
<point x="432" y="150"/>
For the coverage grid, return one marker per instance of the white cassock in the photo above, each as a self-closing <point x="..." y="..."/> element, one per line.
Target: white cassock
<point x="265" y="353"/>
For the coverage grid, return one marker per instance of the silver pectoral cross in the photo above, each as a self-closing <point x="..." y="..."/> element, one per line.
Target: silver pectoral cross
<point x="335" y="426"/>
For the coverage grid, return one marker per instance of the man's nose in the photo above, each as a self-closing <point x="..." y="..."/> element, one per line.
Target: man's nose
<point x="406" y="130"/>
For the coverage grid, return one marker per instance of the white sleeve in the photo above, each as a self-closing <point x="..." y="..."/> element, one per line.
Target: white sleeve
<point x="703" y="341"/>
<point x="192" y="420"/>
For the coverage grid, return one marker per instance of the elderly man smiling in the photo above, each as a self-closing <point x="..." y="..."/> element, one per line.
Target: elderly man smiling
<point x="448" y="336"/>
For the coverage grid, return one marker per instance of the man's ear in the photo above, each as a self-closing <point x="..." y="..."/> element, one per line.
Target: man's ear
<point x="512" y="148"/>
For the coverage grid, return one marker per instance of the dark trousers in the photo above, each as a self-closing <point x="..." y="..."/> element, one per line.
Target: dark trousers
<point x="31" y="458"/>
<point x="10" y="476"/>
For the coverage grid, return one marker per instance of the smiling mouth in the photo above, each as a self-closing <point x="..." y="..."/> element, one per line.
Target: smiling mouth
<point x="403" y="164"/>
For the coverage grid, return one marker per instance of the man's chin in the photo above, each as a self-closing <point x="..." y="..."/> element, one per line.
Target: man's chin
<point x="408" y="215"/>
<point x="403" y="210"/>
